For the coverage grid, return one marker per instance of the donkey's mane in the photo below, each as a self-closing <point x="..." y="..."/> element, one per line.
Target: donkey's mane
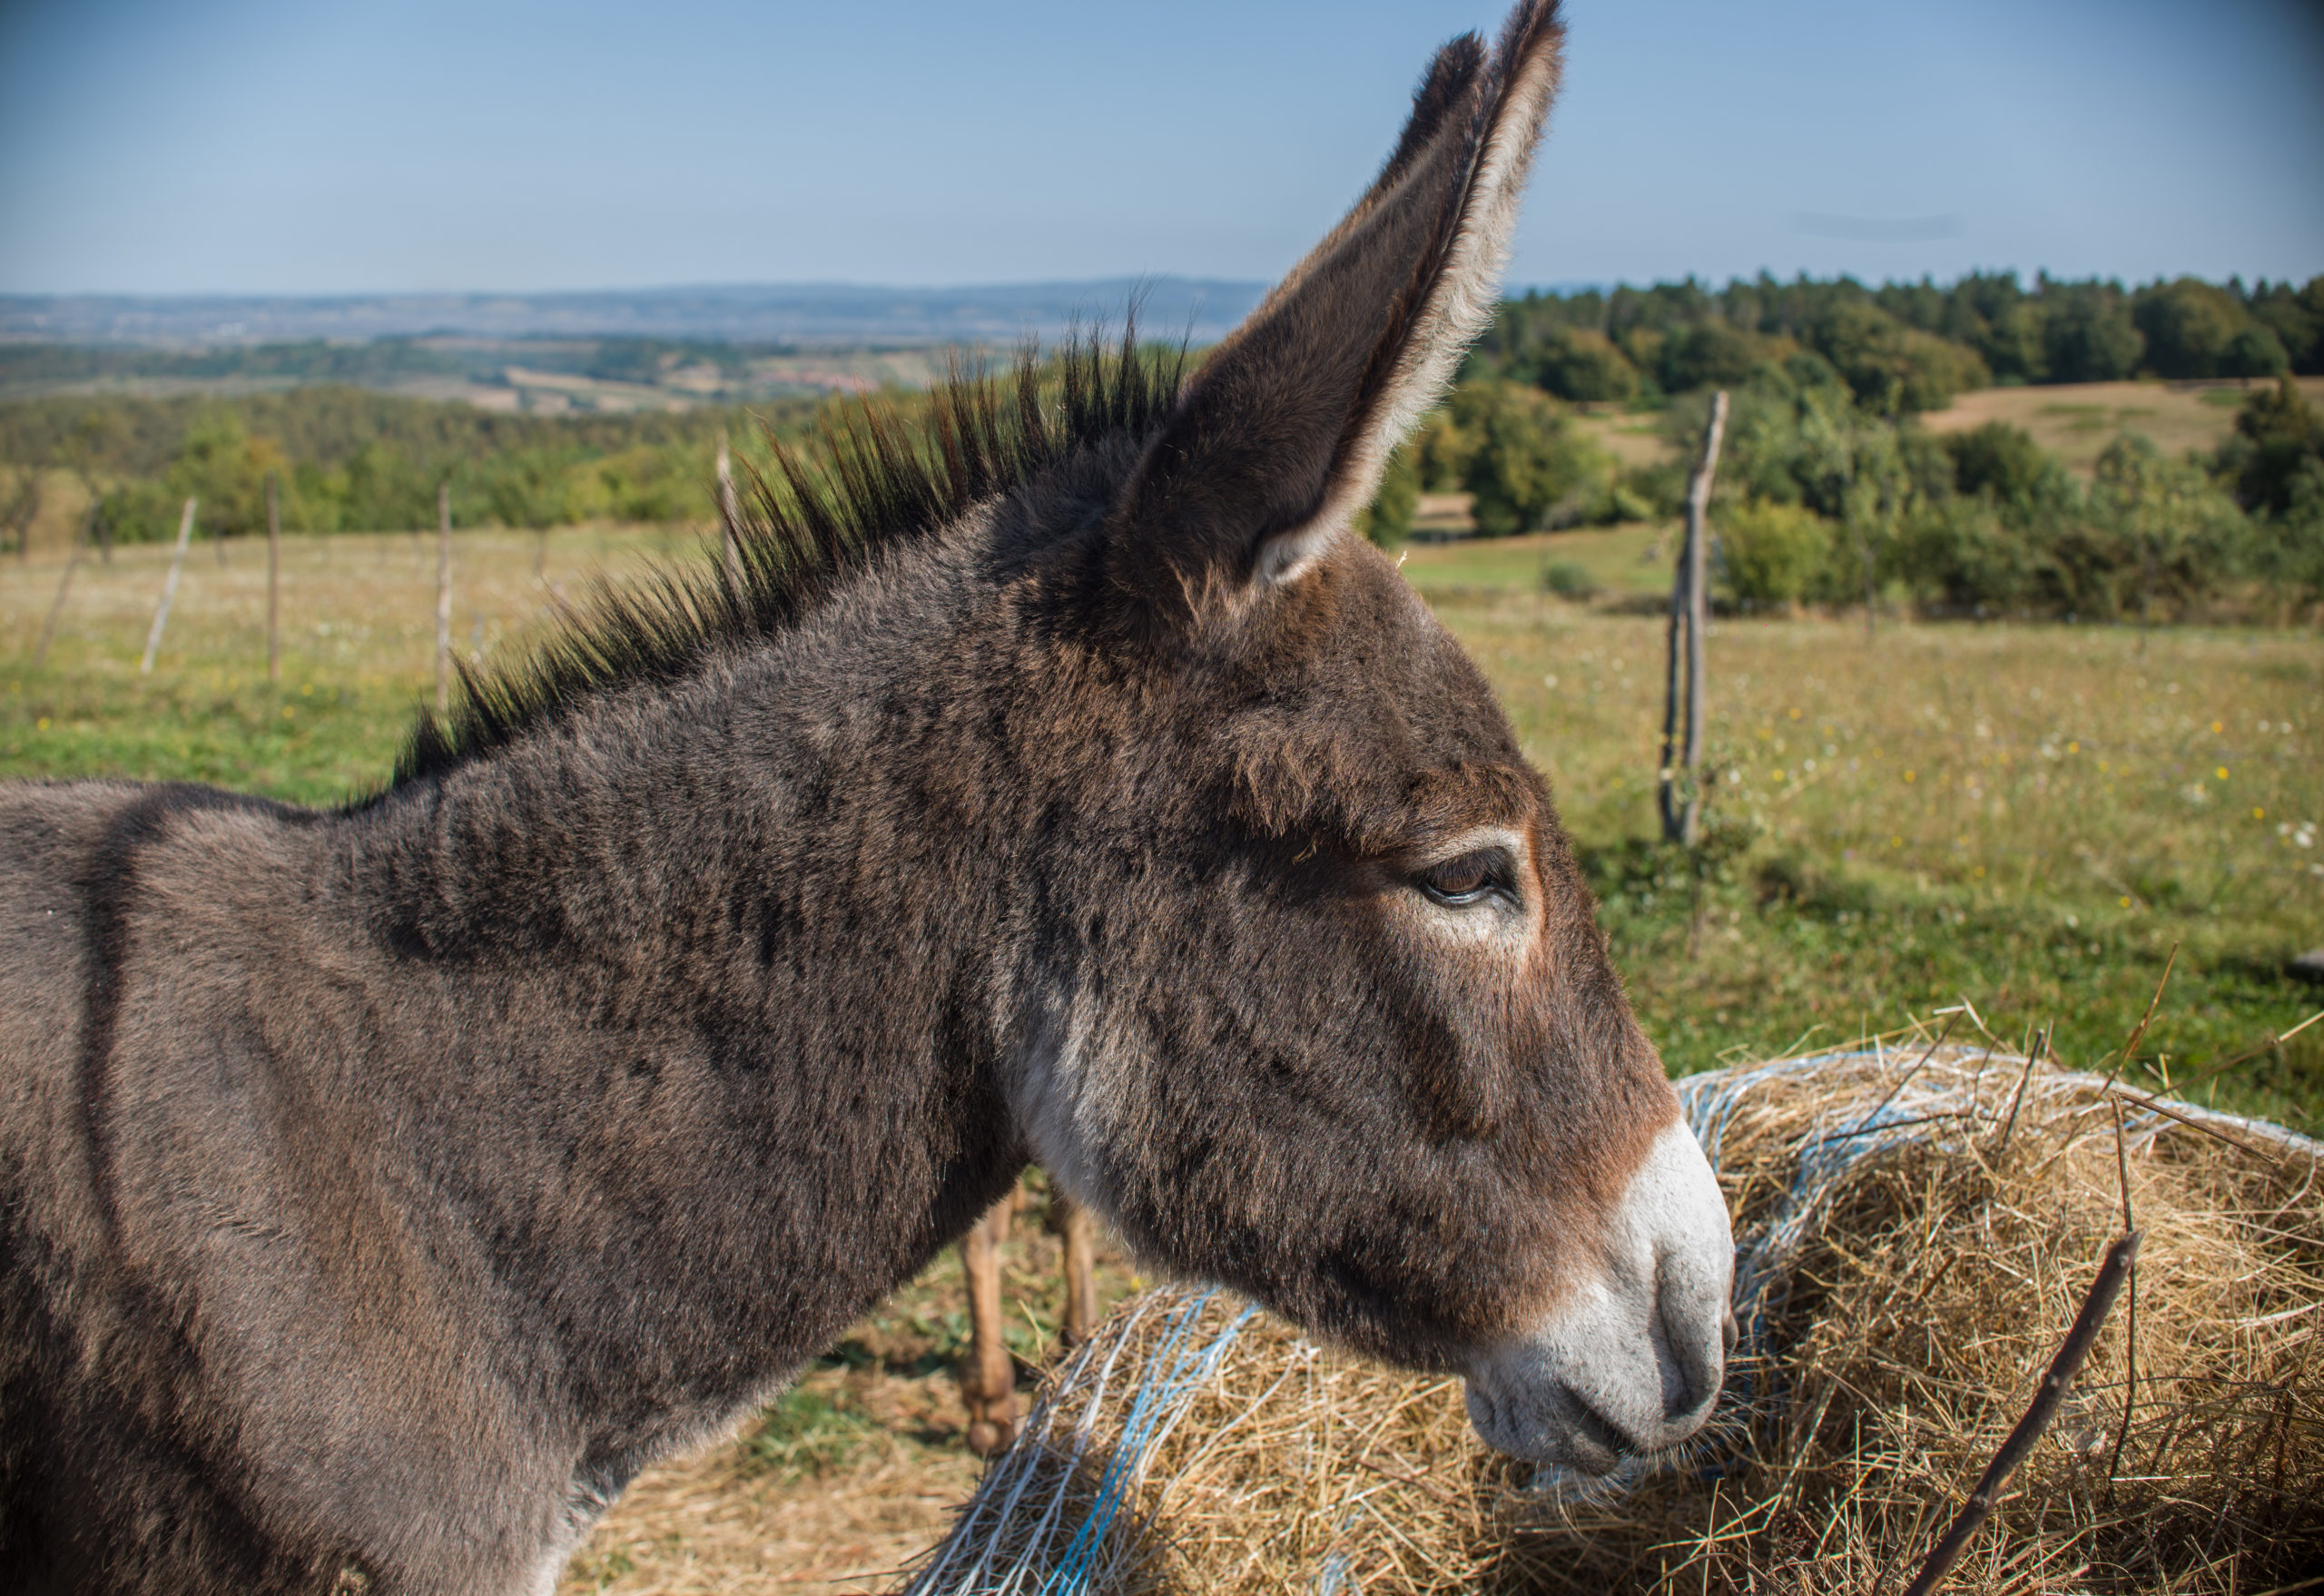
<point x="872" y="481"/>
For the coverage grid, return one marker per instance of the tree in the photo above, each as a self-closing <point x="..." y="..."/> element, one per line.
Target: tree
<point x="1773" y="553"/>
<point x="1713" y="354"/>
<point x="2087" y="334"/>
<point x="221" y="464"/>
<point x="1527" y="458"/>
<point x="2276" y="434"/>
<point x="1892" y="368"/>
<point x="2174" y="536"/>
<point x="20" y="502"/>
<point x="2290" y="546"/>
<point x="1584" y="365"/>
<point x="2021" y="482"/>
<point x="2194" y="330"/>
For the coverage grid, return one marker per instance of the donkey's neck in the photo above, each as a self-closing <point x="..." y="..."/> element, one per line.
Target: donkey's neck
<point x="697" y="986"/>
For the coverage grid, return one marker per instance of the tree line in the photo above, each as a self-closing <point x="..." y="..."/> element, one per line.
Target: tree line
<point x="1822" y="498"/>
<point x="349" y="460"/>
<point x="1902" y="347"/>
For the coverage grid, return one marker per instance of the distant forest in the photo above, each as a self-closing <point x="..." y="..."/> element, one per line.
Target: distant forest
<point x="1902" y="347"/>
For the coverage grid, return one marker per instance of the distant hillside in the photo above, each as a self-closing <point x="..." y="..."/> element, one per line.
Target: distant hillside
<point x="814" y="314"/>
<point x="551" y="376"/>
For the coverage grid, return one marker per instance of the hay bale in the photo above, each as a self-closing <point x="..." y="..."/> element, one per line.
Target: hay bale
<point x="1913" y="1239"/>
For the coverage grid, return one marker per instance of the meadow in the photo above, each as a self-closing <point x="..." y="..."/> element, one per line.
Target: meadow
<point x="2037" y="818"/>
<point x="2031" y="816"/>
<point x="2077" y="420"/>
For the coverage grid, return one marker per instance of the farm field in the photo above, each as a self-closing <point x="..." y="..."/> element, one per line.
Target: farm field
<point x="2079" y="419"/>
<point x="2033" y="816"/>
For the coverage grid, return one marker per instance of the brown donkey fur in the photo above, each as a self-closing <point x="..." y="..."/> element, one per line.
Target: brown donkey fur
<point x="382" y="1188"/>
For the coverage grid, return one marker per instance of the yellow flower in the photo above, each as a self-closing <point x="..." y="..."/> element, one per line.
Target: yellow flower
<point x="2221" y="773"/>
<point x="41" y="724"/>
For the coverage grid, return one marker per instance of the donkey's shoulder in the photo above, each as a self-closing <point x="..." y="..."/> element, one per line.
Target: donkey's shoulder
<point x="71" y="856"/>
<point x="67" y="837"/>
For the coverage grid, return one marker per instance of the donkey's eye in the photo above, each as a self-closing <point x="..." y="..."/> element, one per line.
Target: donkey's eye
<point x="1470" y="879"/>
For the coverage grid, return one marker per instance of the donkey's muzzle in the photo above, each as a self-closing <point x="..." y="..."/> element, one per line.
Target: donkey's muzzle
<point x="1631" y="1361"/>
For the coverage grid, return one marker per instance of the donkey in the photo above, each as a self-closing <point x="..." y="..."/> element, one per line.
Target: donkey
<point x="382" y="1188"/>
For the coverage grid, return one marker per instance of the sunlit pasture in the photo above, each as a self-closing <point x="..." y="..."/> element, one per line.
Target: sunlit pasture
<point x="2030" y="817"/>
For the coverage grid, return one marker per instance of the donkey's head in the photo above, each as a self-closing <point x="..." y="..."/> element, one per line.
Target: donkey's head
<point x="1318" y="1004"/>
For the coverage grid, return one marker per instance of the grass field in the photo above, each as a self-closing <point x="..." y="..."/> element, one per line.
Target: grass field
<point x="2079" y="419"/>
<point x="2034" y="817"/>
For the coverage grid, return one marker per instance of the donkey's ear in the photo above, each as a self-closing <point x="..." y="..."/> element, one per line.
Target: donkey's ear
<point x="1281" y="438"/>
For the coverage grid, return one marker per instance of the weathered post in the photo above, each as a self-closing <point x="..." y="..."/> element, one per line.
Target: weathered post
<point x="732" y="549"/>
<point x="169" y="590"/>
<point x="273" y="585"/>
<point x="444" y="596"/>
<point x="1698" y="614"/>
<point x="1689" y="620"/>
<point x="64" y="585"/>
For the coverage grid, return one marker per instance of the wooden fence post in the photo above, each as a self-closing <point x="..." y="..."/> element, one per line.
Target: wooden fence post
<point x="1698" y="614"/>
<point x="64" y="586"/>
<point x="732" y="549"/>
<point x="169" y="590"/>
<point x="444" y="596"/>
<point x="273" y="586"/>
<point x="1689" y="619"/>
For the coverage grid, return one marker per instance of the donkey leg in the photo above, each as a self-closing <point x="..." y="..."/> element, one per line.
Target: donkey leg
<point x="1074" y="1225"/>
<point x="989" y="1384"/>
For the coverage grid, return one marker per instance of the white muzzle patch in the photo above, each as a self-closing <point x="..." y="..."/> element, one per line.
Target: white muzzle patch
<point x="1629" y="1362"/>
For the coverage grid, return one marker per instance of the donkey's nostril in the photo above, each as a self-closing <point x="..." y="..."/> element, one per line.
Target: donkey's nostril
<point x="1692" y="1372"/>
<point x="1601" y="1442"/>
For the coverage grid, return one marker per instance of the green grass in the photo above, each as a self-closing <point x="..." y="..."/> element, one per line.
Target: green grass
<point x="2031" y="816"/>
<point x="1620" y="561"/>
<point x="807" y="1432"/>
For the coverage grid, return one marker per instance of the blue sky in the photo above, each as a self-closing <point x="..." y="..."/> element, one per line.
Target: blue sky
<point x="262" y="146"/>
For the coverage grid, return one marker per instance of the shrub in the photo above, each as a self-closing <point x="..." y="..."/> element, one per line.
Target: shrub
<point x="2020" y="480"/>
<point x="1960" y="555"/>
<point x="1773" y="553"/>
<point x="1569" y="579"/>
